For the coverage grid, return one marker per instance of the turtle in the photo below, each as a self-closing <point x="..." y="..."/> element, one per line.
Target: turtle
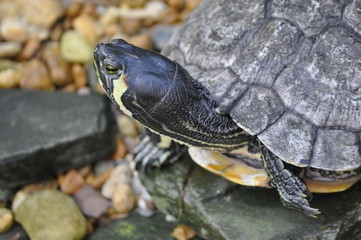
<point x="263" y="92"/>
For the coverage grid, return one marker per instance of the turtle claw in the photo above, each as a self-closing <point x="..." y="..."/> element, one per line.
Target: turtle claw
<point x="311" y="212"/>
<point x="293" y="192"/>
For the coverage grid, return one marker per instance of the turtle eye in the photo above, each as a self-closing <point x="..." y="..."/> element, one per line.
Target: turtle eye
<point x="111" y="69"/>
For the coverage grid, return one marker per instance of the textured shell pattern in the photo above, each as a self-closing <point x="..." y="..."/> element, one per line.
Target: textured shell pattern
<point x="288" y="71"/>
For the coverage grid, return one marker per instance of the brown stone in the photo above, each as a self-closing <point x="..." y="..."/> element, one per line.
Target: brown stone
<point x="31" y="46"/>
<point x="74" y="9"/>
<point x="32" y="188"/>
<point x="134" y="3"/>
<point x="14" y="29"/>
<point x="6" y="219"/>
<point x="58" y="66"/>
<point x="9" y="49"/>
<point x="176" y="4"/>
<point x="123" y="198"/>
<point x="79" y="76"/>
<point x="98" y="180"/>
<point x="88" y="27"/>
<point x="72" y="182"/>
<point x="10" y="78"/>
<point x="56" y="33"/>
<point x="142" y="40"/>
<point x="51" y="11"/>
<point x="183" y="232"/>
<point x="36" y="76"/>
<point x="131" y="26"/>
<point x="84" y="171"/>
<point x="127" y="126"/>
<point x="120" y="150"/>
<point x="69" y="88"/>
<point x="112" y="30"/>
<point x="90" y="9"/>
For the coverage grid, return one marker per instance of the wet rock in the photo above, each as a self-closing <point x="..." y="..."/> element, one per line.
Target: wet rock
<point x="75" y="48"/>
<point x="72" y="182"/>
<point x="59" y="68"/>
<point x="36" y="76"/>
<point x="135" y="227"/>
<point x="75" y="131"/>
<point x="218" y="209"/>
<point x="15" y="233"/>
<point x="6" y="219"/>
<point x="60" y="217"/>
<point x="91" y="203"/>
<point x="9" y="49"/>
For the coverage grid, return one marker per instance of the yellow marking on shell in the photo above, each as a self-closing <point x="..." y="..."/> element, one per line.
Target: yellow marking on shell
<point x="119" y="89"/>
<point x="231" y="169"/>
<point x="317" y="186"/>
<point x="244" y="152"/>
<point x="165" y="142"/>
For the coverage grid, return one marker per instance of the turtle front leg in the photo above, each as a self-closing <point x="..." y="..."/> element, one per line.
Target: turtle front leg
<point x="156" y="151"/>
<point x="293" y="192"/>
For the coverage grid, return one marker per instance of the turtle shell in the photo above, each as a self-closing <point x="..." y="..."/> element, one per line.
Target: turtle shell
<point x="286" y="71"/>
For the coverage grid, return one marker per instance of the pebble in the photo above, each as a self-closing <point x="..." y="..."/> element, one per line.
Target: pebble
<point x="56" y="33"/>
<point x="14" y="29"/>
<point x="69" y="88"/>
<point x="88" y="27"/>
<point x="59" y="68"/>
<point x="126" y="126"/>
<point x="75" y="48"/>
<point x="50" y="214"/>
<point x="84" y="171"/>
<point x="6" y="219"/>
<point x="72" y="182"/>
<point x="183" y="232"/>
<point x="74" y="9"/>
<point x="109" y="17"/>
<point x="9" y="49"/>
<point x="131" y="26"/>
<point x="10" y="77"/>
<point x="51" y="11"/>
<point x="36" y="76"/>
<point x="31" y="46"/>
<point x="32" y="188"/>
<point x="91" y="203"/>
<point x="152" y="10"/>
<point x="142" y="40"/>
<point x="120" y="150"/>
<point x="18" y="199"/>
<point x="131" y="143"/>
<point x="38" y="32"/>
<point x="121" y="174"/>
<point x="123" y="198"/>
<point x="79" y="76"/>
<point x="134" y="3"/>
<point x="98" y="181"/>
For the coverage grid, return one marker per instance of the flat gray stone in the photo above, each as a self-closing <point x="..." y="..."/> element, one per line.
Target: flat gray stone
<point x="218" y="209"/>
<point x="45" y="133"/>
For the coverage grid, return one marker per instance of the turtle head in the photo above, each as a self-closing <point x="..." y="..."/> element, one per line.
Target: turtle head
<point x="162" y="95"/>
<point x="131" y="75"/>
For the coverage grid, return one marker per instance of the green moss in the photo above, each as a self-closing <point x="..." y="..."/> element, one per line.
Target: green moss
<point x="127" y="230"/>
